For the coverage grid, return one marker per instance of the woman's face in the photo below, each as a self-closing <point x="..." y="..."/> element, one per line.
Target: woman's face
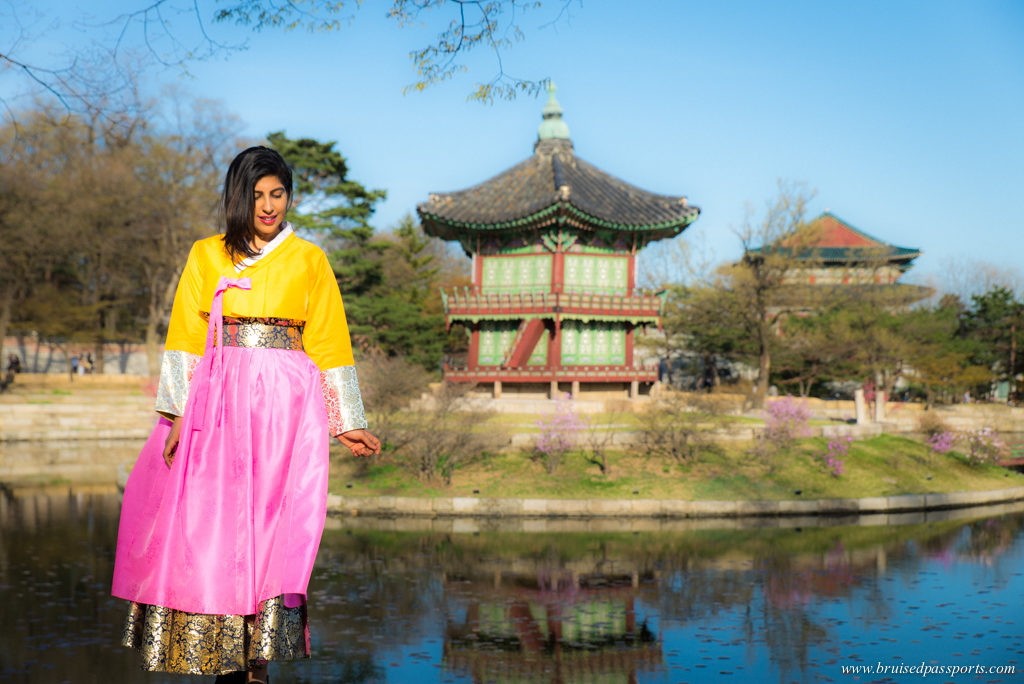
<point x="271" y="203"/>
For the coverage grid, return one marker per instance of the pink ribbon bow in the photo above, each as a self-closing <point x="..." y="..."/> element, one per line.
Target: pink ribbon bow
<point x="215" y="338"/>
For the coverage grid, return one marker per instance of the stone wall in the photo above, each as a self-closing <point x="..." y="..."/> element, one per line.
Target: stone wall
<point x="119" y="359"/>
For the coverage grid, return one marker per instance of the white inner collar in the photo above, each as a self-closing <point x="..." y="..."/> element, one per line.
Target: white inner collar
<point x="286" y="230"/>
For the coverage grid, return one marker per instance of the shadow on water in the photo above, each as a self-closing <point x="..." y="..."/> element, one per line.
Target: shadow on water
<point x="427" y="605"/>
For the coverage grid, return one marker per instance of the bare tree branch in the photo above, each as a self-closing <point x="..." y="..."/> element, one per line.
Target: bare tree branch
<point x="495" y="24"/>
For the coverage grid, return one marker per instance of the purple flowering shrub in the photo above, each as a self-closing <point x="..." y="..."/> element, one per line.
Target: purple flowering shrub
<point x="941" y="442"/>
<point x="984" y="446"/>
<point x="981" y="446"/>
<point x="785" y="420"/>
<point x="838" y="449"/>
<point x="558" y="431"/>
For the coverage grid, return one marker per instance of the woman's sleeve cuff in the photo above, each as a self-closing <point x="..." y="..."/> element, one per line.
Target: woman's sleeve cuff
<point x="343" y="400"/>
<point x="176" y="369"/>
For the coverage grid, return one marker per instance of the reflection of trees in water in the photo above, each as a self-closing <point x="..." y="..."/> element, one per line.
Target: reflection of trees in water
<point x="56" y="560"/>
<point x="789" y="589"/>
<point x="988" y="539"/>
<point x="365" y="601"/>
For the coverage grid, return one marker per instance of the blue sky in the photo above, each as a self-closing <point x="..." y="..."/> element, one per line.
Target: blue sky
<point x="905" y="117"/>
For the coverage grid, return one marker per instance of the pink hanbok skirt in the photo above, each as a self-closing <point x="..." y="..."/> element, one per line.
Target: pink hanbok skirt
<point x="237" y="518"/>
<point x="232" y="528"/>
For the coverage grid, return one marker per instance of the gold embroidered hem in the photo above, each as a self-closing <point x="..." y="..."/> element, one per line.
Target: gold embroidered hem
<point x="174" y="641"/>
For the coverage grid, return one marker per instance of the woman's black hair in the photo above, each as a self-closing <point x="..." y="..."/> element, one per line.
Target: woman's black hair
<point x="239" y="205"/>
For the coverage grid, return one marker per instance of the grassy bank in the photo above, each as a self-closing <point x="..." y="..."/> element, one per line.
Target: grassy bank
<point x="881" y="466"/>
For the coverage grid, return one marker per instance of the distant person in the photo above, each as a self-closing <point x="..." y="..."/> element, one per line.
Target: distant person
<point x="710" y="373"/>
<point x="13" y="365"/>
<point x="223" y="512"/>
<point x="74" y="365"/>
<point x="89" y="363"/>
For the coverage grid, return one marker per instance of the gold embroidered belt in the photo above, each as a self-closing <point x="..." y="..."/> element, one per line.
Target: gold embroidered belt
<point x="262" y="336"/>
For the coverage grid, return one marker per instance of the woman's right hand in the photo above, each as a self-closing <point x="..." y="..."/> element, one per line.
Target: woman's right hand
<point x="171" y="444"/>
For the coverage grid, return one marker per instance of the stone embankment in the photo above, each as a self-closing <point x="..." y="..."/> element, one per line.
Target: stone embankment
<point x="88" y="431"/>
<point x="476" y="507"/>
<point x="53" y="409"/>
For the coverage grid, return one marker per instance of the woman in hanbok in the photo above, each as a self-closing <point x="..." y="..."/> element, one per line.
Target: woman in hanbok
<point x="224" y="509"/>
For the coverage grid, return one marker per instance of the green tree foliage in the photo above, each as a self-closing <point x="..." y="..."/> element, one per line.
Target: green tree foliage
<point x="337" y="209"/>
<point x="736" y="314"/>
<point x="940" y="359"/>
<point x="406" y="318"/>
<point x="389" y="282"/>
<point x="994" y="324"/>
<point x="809" y="350"/>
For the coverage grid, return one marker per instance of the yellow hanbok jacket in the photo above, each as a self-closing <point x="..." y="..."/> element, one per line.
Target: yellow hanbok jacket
<point x="291" y="279"/>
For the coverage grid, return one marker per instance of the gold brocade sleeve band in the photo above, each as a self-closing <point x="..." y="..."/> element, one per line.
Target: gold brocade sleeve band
<point x="176" y="371"/>
<point x="343" y="400"/>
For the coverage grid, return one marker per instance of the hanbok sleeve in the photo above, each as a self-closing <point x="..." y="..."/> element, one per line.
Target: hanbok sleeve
<point x="186" y="337"/>
<point x="326" y="340"/>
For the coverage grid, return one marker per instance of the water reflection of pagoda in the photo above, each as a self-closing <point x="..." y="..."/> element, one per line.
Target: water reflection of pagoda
<point x="554" y="241"/>
<point x="559" y="627"/>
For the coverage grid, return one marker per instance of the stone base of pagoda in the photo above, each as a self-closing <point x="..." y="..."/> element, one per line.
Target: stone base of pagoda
<point x="575" y="381"/>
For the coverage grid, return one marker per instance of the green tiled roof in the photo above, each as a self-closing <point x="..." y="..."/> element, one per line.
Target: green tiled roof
<point x="838" y="242"/>
<point x="554" y="187"/>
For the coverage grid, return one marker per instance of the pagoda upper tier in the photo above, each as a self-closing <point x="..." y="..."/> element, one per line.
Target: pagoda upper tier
<point x="556" y="189"/>
<point x="831" y="241"/>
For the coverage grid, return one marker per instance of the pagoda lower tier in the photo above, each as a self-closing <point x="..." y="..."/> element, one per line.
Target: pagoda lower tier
<point x="523" y="338"/>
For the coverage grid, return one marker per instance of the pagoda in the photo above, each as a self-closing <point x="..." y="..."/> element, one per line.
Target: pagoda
<point x="553" y="303"/>
<point x="830" y="255"/>
<point x="836" y="253"/>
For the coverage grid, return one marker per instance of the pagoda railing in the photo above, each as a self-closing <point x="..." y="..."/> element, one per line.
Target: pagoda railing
<point x="469" y="304"/>
<point x="547" y="374"/>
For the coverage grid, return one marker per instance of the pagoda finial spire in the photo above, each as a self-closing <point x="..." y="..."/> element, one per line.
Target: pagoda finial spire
<point x="552" y="127"/>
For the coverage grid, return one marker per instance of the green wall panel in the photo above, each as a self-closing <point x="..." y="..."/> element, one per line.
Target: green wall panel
<point x="527" y="273"/>
<point x="495" y="339"/>
<point x="596" y="274"/>
<point x="585" y="344"/>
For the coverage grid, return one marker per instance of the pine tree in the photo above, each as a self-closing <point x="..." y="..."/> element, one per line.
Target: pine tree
<point x="335" y="211"/>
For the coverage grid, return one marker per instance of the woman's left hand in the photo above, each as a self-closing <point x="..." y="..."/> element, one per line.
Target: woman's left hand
<point x="360" y="443"/>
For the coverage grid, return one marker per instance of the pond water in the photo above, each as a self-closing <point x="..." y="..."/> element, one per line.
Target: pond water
<point x="691" y="603"/>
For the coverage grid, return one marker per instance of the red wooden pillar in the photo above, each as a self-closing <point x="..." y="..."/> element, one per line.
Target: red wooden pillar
<point x="555" y="345"/>
<point x="558" y="272"/>
<point x="474" y="346"/>
<point x="478" y="272"/>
